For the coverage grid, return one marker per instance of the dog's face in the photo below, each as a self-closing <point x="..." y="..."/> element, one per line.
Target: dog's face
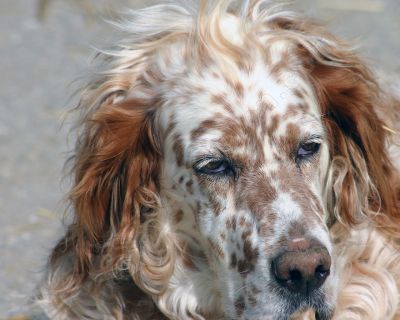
<point x="245" y="161"/>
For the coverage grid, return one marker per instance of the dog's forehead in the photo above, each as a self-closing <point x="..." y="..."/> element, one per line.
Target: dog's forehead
<point x="204" y="104"/>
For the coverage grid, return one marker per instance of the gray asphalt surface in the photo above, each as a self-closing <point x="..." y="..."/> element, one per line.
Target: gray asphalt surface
<point x="44" y="46"/>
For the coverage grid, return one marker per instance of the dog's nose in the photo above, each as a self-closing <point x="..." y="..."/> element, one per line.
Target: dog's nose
<point x="302" y="271"/>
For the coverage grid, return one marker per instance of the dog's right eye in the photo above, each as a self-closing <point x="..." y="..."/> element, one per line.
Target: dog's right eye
<point x="215" y="167"/>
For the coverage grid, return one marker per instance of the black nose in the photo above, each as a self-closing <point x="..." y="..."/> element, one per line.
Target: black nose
<point x="302" y="271"/>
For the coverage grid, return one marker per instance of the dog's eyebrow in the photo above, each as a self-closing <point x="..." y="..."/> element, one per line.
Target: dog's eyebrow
<point x="204" y="127"/>
<point x="312" y="137"/>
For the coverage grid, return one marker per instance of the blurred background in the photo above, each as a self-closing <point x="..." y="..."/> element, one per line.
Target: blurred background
<point x="44" y="46"/>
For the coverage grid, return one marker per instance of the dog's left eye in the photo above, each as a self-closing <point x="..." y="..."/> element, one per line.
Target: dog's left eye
<point x="216" y="167"/>
<point x="307" y="149"/>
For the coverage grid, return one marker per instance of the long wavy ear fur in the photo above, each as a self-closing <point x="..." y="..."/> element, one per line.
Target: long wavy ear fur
<point x="116" y="175"/>
<point x="116" y="168"/>
<point x="365" y="181"/>
<point x="115" y="197"/>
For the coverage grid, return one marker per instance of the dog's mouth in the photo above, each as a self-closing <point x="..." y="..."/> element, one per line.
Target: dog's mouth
<point x="321" y="314"/>
<point x="292" y="306"/>
<point x="315" y="303"/>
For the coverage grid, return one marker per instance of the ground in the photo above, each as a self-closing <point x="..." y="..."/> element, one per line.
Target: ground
<point x="44" y="46"/>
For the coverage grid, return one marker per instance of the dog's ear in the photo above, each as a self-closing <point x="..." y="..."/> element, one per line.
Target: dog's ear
<point x="115" y="167"/>
<point x="363" y="179"/>
<point x="118" y="222"/>
<point x="116" y="176"/>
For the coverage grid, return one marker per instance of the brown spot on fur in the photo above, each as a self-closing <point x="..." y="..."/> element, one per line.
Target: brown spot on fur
<point x="177" y="146"/>
<point x="240" y="305"/>
<point x="266" y="106"/>
<point x="281" y="65"/>
<point x="273" y="126"/>
<point x="198" y="211"/>
<point x="239" y="90"/>
<point x="233" y="263"/>
<point x="187" y="260"/>
<point x="252" y="293"/>
<point x="189" y="186"/>
<point x="299" y="93"/>
<point x="170" y="127"/>
<point x="216" y="206"/>
<point x="292" y="111"/>
<point x="188" y="263"/>
<point x="216" y="249"/>
<point x="231" y="223"/>
<point x="251" y="254"/>
<point x="243" y="267"/>
<point x="289" y="142"/>
<point x="252" y="299"/>
<point x="254" y="289"/>
<point x="236" y="86"/>
<point x="215" y="75"/>
<point x="277" y="157"/>
<point x="221" y="99"/>
<point x="260" y="97"/>
<point x="178" y="216"/>
<point x="246" y="234"/>
<point x="203" y="128"/>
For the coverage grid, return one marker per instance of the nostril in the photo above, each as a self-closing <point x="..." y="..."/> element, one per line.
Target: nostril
<point x="321" y="272"/>
<point x="295" y="275"/>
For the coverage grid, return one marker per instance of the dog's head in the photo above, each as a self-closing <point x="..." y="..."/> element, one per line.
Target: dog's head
<point x="218" y="149"/>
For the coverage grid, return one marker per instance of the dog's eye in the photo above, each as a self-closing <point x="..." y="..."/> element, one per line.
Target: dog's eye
<point x="216" y="167"/>
<point x="306" y="150"/>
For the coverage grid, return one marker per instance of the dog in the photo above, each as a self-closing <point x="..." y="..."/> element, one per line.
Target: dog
<point x="234" y="161"/>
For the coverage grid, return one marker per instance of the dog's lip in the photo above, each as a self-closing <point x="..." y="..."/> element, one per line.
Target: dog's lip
<point x="316" y="302"/>
<point x="323" y="315"/>
<point x="322" y="311"/>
